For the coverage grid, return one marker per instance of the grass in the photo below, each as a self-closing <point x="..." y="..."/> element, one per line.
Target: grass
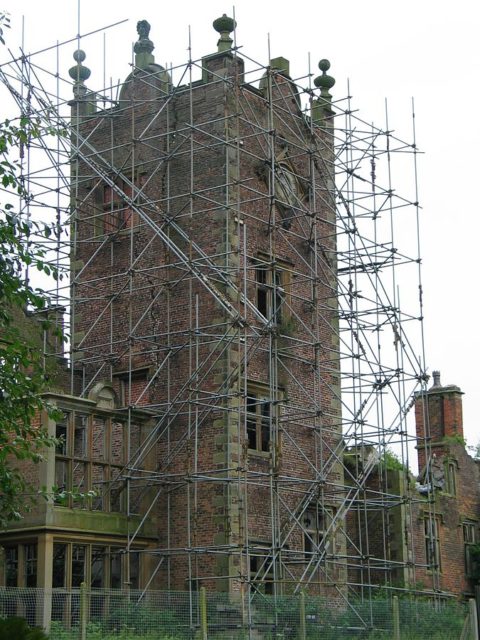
<point x="275" y="619"/>
<point x="96" y="632"/>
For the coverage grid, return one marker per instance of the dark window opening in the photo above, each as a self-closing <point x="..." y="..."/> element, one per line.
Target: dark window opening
<point x="78" y="565"/>
<point x="261" y="571"/>
<point x="470" y="538"/>
<point x="61" y="435"/>
<point x="115" y="570"/>
<point x="432" y="543"/>
<point x="272" y="284"/>
<point x="97" y="578"/>
<point x="11" y="566"/>
<point x="316" y="523"/>
<point x="59" y="565"/>
<point x="30" y="565"/>
<point x="258" y="422"/>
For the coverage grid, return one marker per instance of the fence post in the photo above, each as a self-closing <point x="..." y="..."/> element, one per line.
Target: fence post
<point x="396" y="618"/>
<point x="83" y="611"/>
<point x="302" y="635"/>
<point x="472" y="610"/>
<point x="203" y="613"/>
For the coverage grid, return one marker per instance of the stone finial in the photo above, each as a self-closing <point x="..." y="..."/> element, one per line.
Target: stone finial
<point x="436" y="379"/>
<point x="79" y="74"/>
<point x="144" y="46"/>
<point x="322" y="107"/>
<point x="143" y="29"/>
<point x="324" y="82"/>
<point x="224" y="26"/>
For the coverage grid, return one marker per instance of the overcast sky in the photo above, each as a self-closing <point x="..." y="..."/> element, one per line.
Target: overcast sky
<point x="387" y="49"/>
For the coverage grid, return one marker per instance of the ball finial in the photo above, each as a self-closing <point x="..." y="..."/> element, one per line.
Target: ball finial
<point x="79" y="55"/>
<point x="324" y="65"/>
<point x="324" y="82"/>
<point x="79" y="73"/>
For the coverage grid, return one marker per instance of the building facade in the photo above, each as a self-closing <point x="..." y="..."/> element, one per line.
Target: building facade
<point x="421" y="532"/>
<point x="204" y="435"/>
<point x="446" y="527"/>
<point x="203" y="407"/>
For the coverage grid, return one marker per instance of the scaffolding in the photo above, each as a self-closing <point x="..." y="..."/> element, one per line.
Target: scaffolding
<point x="250" y="300"/>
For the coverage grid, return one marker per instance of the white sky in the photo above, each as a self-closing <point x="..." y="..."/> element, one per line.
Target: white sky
<point x="388" y="49"/>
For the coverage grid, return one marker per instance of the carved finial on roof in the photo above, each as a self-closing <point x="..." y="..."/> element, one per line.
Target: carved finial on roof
<point x="322" y="107"/>
<point x="224" y="26"/>
<point x="325" y="82"/>
<point x="144" y="46"/>
<point x="79" y="74"/>
<point x="143" y="29"/>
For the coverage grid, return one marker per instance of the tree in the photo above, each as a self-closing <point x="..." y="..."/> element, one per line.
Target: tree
<point x="4" y="24"/>
<point x="22" y="371"/>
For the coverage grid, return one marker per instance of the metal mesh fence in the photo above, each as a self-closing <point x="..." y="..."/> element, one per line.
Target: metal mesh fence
<point x="155" y="615"/>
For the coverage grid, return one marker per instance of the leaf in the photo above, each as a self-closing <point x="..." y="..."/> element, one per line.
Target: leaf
<point x="22" y="376"/>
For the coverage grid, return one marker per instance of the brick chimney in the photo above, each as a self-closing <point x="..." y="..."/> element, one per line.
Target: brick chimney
<point x="438" y="415"/>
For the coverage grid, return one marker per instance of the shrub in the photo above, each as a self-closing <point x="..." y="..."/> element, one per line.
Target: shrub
<point x="19" y="629"/>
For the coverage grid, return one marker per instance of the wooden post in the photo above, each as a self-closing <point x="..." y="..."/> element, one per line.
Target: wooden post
<point x="203" y="614"/>
<point x="44" y="580"/>
<point x="83" y="611"/>
<point x="396" y="618"/>
<point x="302" y="632"/>
<point x="472" y="610"/>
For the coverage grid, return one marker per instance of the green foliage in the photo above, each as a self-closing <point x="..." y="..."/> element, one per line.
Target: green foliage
<point x="138" y="619"/>
<point x="474" y="551"/>
<point x="455" y="439"/>
<point x="4" y="24"/>
<point x="96" y="631"/>
<point x="277" y="618"/>
<point x="18" y="629"/>
<point x="366" y="620"/>
<point x="392" y="462"/>
<point x="22" y="371"/>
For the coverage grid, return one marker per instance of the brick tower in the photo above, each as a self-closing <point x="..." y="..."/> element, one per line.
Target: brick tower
<point x="204" y="293"/>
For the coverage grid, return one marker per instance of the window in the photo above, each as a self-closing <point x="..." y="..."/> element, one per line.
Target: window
<point x="102" y="567"/>
<point x="21" y="565"/>
<point x="259" y="414"/>
<point x="59" y="562"/>
<point x="132" y="388"/>
<point x="78" y="565"/>
<point x="287" y="192"/>
<point x="90" y="458"/>
<point x="117" y="215"/>
<point x="21" y="571"/>
<point x="11" y="566"/>
<point x="316" y="524"/>
<point x="469" y="540"/>
<point x="450" y="469"/>
<point x="61" y="435"/>
<point x="432" y="543"/>
<point x="30" y="551"/>
<point x="261" y="569"/>
<point x="273" y="284"/>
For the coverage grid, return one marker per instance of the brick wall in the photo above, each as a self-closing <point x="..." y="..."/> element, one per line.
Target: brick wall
<point x="456" y="498"/>
<point x="137" y="306"/>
